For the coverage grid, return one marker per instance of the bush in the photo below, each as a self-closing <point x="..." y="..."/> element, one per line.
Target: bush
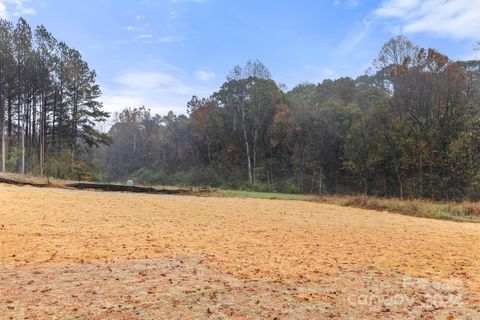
<point x="149" y="177"/>
<point x="60" y="166"/>
<point x="472" y="209"/>
<point x="291" y="188"/>
<point x="205" y="177"/>
<point x="14" y="158"/>
<point x="260" y="187"/>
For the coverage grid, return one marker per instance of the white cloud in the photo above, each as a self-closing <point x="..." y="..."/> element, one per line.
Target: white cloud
<point x="397" y="9"/>
<point x="318" y="73"/>
<point x="15" y="8"/>
<point x="347" y="3"/>
<point x="133" y="28"/>
<point x="204" y="75"/>
<point x="28" y="11"/>
<point x="161" y="91"/>
<point x="170" y="39"/>
<point x="144" y="36"/>
<point x="353" y="39"/>
<point x="328" y="73"/>
<point x="445" y="18"/>
<point x="115" y="101"/>
<point x="148" y="80"/>
<point x="197" y="1"/>
<point x="3" y="10"/>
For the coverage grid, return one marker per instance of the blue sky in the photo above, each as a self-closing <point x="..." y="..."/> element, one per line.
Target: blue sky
<point x="159" y="53"/>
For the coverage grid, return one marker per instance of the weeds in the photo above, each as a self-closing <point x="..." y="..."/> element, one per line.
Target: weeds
<point x="462" y="212"/>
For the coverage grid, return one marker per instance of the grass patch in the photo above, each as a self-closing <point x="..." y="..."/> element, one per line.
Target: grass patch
<point x="461" y="212"/>
<point x="260" y="195"/>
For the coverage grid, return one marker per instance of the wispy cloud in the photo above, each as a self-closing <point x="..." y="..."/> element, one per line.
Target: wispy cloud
<point x="144" y="36"/>
<point x="444" y="18"/>
<point x="3" y="10"/>
<point x="346" y="3"/>
<point x="140" y="80"/>
<point x="204" y="75"/>
<point x="162" y="90"/>
<point x="355" y="37"/>
<point x="170" y="39"/>
<point x="15" y="8"/>
<point x="318" y="73"/>
<point x="133" y="28"/>
<point x="196" y="1"/>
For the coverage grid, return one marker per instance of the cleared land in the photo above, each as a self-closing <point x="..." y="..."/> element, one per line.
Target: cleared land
<point x="97" y="255"/>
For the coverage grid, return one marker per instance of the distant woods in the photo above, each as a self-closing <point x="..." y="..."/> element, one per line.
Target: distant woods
<point x="410" y="128"/>
<point x="49" y="104"/>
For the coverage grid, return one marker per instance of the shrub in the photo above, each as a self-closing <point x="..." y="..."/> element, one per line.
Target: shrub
<point x="14" y="158"/>
<point x="260" y="187"/>
<point x="149" y="177"/>
<point x="472" y="209"/>
<point x="291" y="188"/>
<point x="60" y="166"/>
<point x="205" y="177"/>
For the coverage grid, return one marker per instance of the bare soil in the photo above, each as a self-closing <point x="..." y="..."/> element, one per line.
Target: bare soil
<point x="67" y="254"/>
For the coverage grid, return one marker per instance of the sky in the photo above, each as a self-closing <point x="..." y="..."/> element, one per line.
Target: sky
<point x="158" y="53"/>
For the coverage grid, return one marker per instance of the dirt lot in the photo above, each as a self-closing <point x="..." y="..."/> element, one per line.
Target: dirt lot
<point x="95" y="255"/>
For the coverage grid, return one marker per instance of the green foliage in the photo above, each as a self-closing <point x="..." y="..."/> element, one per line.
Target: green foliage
<point x="60" y="166"/>
<point x="290" y="188"/>
<point x="50" y="102"/>
<point x="418" y="208"/>
<point x="149" y="177"/>
<point x="80" y="171"/>
<point x="411" y="129"/>
<point x="260" y="195"/>
<point x="13" y="160"/>
<point x="205" y="177"/>
<point x="261" y="187"/>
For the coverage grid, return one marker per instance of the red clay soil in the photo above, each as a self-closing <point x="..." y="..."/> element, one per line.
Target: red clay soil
<point x="69" y="254"/>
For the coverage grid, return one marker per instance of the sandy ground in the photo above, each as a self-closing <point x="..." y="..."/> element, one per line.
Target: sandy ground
<point x="93" y="255"/>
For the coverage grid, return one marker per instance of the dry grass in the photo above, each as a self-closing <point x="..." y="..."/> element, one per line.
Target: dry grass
<point x="34" y="179"/>
<point x="461" y="212"/>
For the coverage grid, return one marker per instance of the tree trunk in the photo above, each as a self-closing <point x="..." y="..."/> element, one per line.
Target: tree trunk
<point x="42" y="136"/>
<point x="320" y="181"/>
<point x="249" y="161"/>
<point x="400" y="184"/>
<point x="254" y="158"/>
<point x="23" y="143"/>
<point x="365" y="186"/>
<point x="2" y="131"/>
<point x="247" y="149"/>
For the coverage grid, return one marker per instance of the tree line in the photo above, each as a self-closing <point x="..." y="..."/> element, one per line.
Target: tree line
<point x="409" y="128"/>
<point x="49" y="104"/>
